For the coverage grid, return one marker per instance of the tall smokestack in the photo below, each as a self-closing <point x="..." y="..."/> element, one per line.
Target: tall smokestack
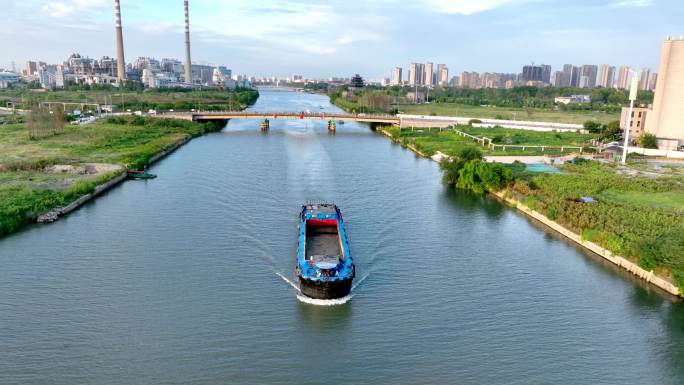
<point x="120" y="61"/>
<point x="188" y="63"/>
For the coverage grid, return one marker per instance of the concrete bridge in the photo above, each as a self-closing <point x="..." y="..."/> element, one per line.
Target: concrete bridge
<point x="227" y="115"/>
<point x="401" y="120"/>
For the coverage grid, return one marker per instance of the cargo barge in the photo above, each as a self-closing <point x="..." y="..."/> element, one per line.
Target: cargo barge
<point x="325" y="268"/>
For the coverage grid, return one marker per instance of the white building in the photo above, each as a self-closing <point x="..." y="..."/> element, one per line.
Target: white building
<point x="573" y="99"/>
<point x="7" y="78"/>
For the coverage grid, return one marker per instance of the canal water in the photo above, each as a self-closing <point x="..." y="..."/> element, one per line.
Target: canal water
<point x="183" y="279"/>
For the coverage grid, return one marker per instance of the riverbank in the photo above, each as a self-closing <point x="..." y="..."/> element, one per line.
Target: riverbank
<point x="648" y="276"/>
<point x="42" y="179"/>
<point x="633" y="217"/>
<point x="180" y="99"/>
<point x="517" y="104"/>
<point x="499" y="141"/>
<point x="508" y="113"/>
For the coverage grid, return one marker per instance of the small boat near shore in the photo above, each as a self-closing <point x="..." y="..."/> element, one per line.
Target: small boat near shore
<point x="325" y="268"/>
<point x="136" y="174"/>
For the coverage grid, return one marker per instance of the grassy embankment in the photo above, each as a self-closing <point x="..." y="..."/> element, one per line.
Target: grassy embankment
<point x="429" y="141"/>
<point x="507" y="113"/>
<point x="142" y="100"/>
<point x="29" y="184"/>
<point x="639" y="217"/>
<point x="518" y="103"/>
<point x="638" y="211"/>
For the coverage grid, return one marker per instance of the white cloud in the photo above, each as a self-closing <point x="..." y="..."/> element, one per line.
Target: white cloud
<point x="466" y="7"/>
<point x="160" y="27"/>
<point x="61" y="9"/>
<point x="633" y="3"/>
<point x="58" y="9"/>
<point x="294" y="26"/>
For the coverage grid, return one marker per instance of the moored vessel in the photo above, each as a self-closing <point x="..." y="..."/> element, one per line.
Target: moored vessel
<point x="325" y="268"/>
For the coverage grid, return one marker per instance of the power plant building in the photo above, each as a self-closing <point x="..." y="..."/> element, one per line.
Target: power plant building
<point x="666" y="120"/>
<point x="188" y="62"/>
<point x="120" y="62"/>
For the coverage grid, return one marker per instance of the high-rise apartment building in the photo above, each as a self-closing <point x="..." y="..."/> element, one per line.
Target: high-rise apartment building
<point x="587" y="76"/>
<point x="567" y="75"/>
<point x="413" y="67"/>
<point x="415" y="74"/>
<point x="442" y="74"/>
<point x="532" y="73"/>
<point x="428" y="75"/>
<point x="666" y="120"/>
<point x="652" y="81"/>
<point x="546" y="73"/>
<point x="396" y="76"/>
<point x="606" y="76"/>
<point x="470" y="80"/>
<point x="575" y="77"/>
<point x="558" y="79"/>
<point x="46" y="77"/>
<point x="413" y="78"/>
<point x="623" y="78"/>
<point x="31" y="68"/>
<point x="644" y="79"/>
<point x="59" y="76"/>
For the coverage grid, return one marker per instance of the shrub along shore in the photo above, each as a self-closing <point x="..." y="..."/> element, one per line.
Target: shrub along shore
<point x="40" y="175"/>
<point x="635" y="212"/>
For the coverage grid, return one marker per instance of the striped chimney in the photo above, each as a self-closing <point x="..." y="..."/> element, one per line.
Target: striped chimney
<point x="188" y="63"/>
<point x="120" y="61"/>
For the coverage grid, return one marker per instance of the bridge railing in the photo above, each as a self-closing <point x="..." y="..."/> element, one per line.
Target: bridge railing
<point x="281" y="114"/>
<point x="291" y="113"/>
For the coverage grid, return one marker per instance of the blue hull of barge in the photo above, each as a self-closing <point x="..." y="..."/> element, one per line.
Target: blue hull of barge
<point x="325" y="268"/>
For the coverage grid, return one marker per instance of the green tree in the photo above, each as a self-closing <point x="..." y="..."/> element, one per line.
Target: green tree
<point x="647" y="140"/>
<point x="479" y="176"/>
<point x="611" y="131"/>
<point x="592" y="126"/>
<point x="451" y="167"/>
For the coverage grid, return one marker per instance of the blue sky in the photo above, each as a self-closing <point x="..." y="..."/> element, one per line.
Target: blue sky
<point x="336" y="38"/>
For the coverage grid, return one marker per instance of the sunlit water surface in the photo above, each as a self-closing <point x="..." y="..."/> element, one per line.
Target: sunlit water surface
<point x="184" y="279"/>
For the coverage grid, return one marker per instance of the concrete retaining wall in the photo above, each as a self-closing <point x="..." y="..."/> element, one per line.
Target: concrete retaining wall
<point x="54" y="215"/>
<point x="632" y="267"/>
<point x="166" y="152"/>
<point x="654" y="152"/>
<point x="445" y="121"/>
<point x="98" y="190"/>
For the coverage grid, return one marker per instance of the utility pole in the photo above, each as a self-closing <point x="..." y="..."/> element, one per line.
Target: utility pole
<point x="632" y="98"/>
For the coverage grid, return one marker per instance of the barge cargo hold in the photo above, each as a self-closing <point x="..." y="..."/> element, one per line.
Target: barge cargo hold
<point x="325" y="268"/>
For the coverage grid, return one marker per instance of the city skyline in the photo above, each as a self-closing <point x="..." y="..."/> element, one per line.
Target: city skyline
<point x="309" y="36"/>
